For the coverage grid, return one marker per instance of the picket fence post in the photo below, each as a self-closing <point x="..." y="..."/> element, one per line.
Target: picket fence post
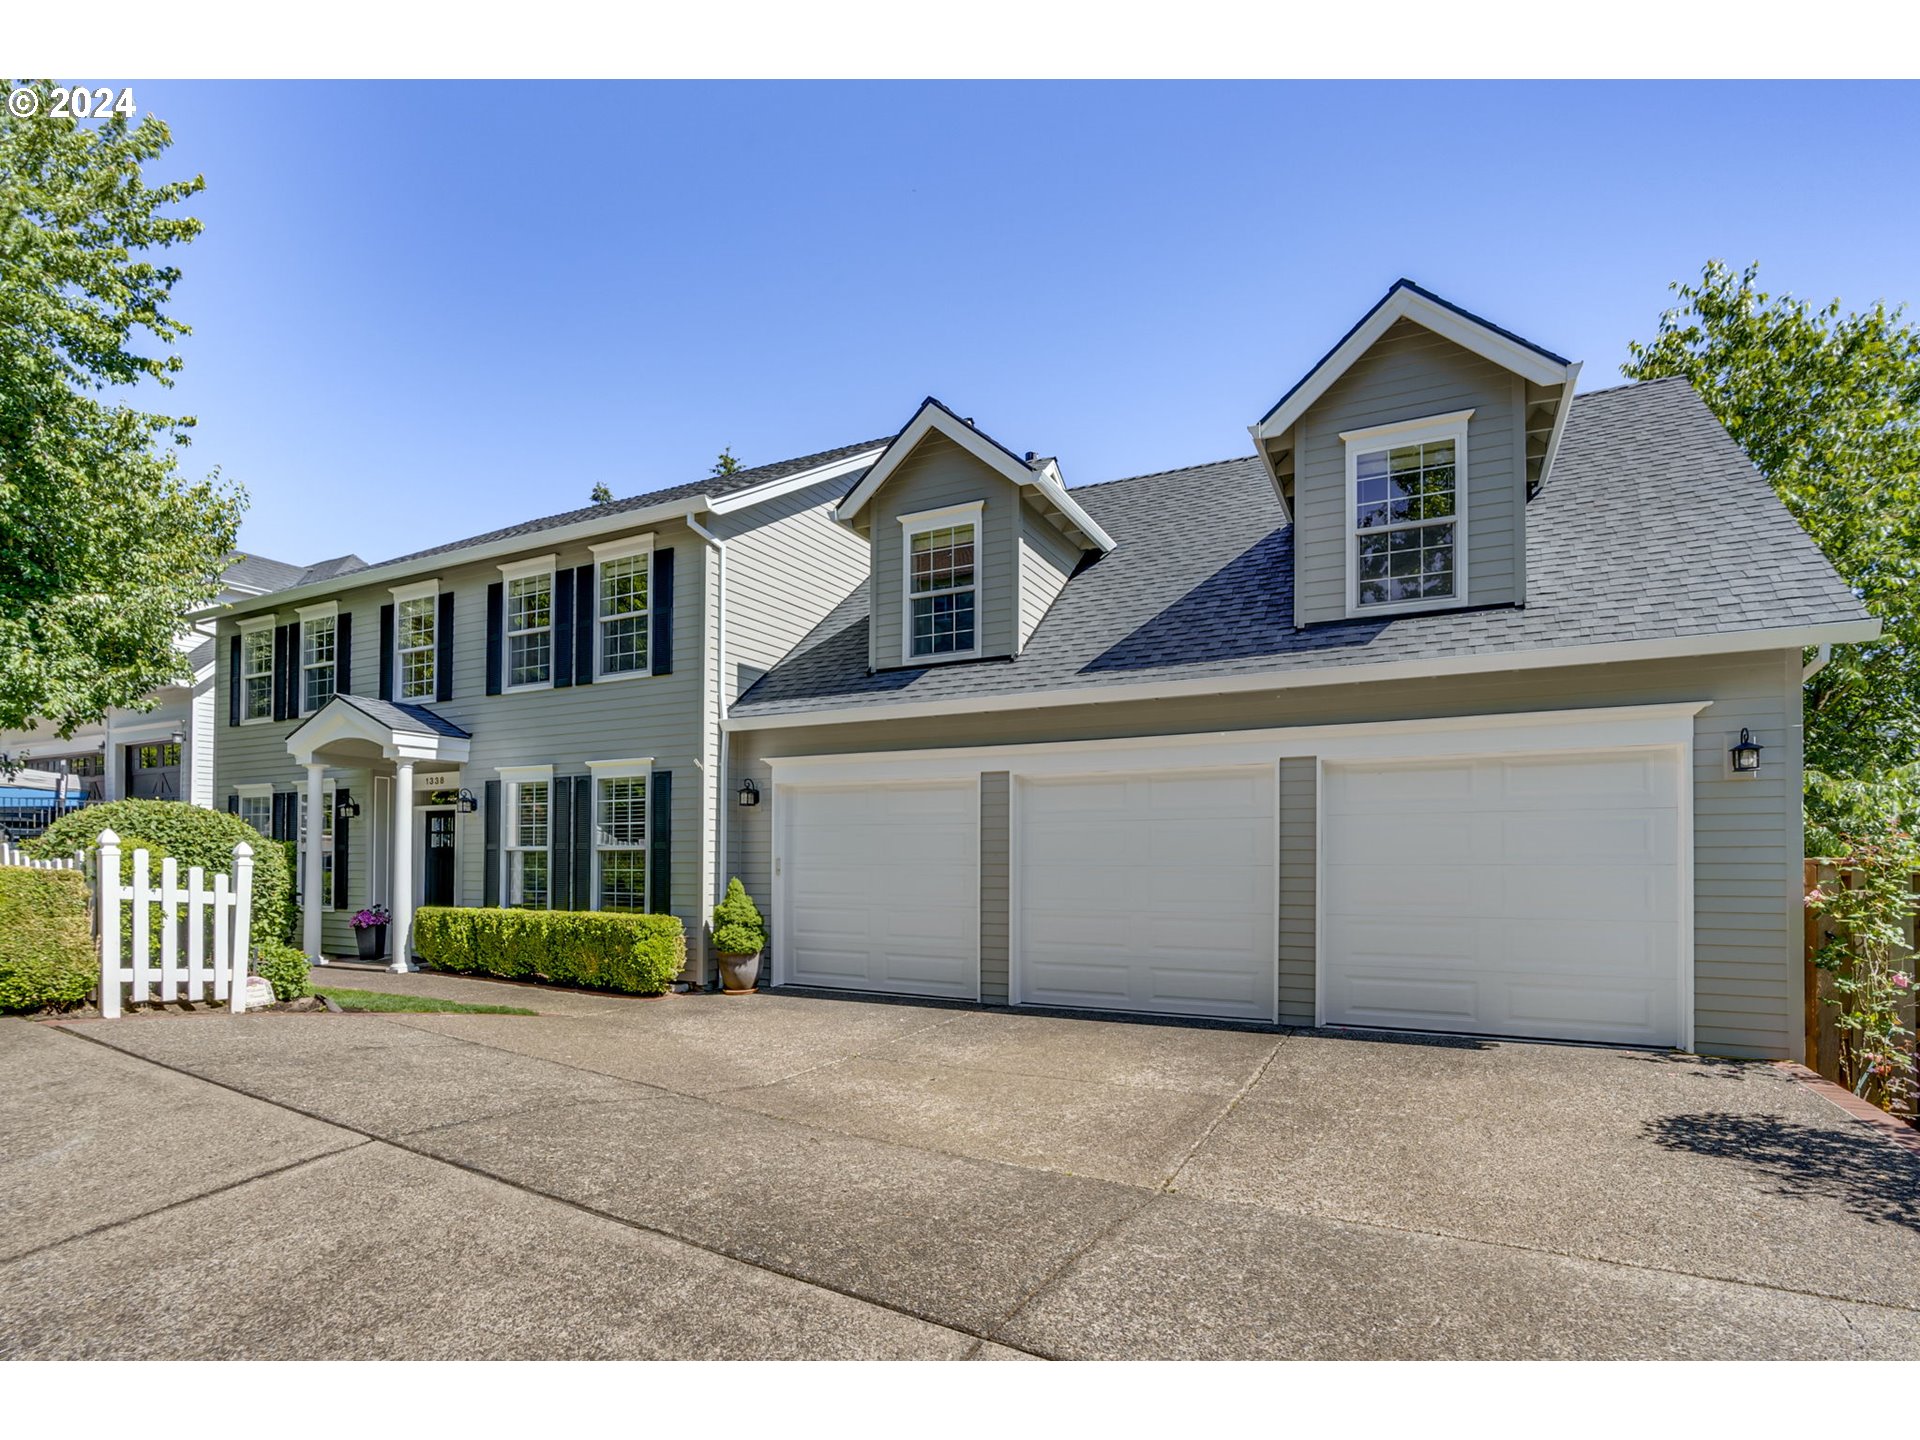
<point x="107" y="888"/>
<point x="242" y="923"/>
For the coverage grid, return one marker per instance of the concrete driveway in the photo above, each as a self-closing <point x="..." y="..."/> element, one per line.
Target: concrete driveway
<point x="782" y="1175"/>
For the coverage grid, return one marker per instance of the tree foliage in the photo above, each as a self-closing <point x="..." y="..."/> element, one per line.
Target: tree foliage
<point x="601" y="494"/>
<point x="103" y="548"/>
<point x="726" y="464"/>
<point x="1827" y="405"/>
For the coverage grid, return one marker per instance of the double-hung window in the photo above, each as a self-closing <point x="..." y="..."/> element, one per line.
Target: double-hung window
<point x="942" y="612"/>
<point x="415" y="633"/>
<point x="619" y="834"/>
<point x="256" y="808"/>
<point x="319" y="655"/>
<point x="620" y="613"/>
<point x="529" y="623"/>
<point x="528" y="836"/>
<point x="326" y="846"/>
<point x="1406" y="508"/>
<point x="256" y="670"/>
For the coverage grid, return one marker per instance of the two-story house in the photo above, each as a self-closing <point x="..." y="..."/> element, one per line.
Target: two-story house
<point x="1461" y="703"/>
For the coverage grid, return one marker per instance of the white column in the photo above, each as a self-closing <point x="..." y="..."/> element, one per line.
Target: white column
<point x="402" y="907"/>
<point x="313" y="899"/>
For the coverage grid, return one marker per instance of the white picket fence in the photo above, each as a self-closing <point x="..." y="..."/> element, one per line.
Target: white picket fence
<point x="19" y="860"/>
<point x="221" y="912"/>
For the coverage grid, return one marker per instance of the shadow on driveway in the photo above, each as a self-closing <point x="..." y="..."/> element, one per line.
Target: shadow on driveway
<point x="1872" y="1178"/>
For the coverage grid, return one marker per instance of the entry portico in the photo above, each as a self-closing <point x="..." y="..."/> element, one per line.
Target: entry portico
<point x="383" y="736"/>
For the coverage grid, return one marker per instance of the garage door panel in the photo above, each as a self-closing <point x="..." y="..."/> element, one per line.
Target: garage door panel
<point x="1149" y="892"/>
<point x="882" y="888"/>
<point x="1542" y="898"/>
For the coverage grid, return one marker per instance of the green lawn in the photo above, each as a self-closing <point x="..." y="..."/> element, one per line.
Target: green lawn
<point x="379" y="1002"/>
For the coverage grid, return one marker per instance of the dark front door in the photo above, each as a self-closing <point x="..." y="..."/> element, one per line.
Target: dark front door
<point x="439" y="878"/>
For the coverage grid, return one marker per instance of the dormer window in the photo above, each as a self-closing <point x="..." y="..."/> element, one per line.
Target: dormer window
<point x="942" y="617"/>
<point x="1406" y="507"/>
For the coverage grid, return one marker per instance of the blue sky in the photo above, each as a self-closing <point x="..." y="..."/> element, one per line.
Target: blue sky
<point x="424" y="310"/>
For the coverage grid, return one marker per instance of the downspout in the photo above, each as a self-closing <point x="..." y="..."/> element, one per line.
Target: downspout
<point x="1817" y="664"/>
<point x="717" y="783"/>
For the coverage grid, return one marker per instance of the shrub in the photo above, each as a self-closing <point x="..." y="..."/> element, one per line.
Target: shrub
<point x="738" y="928"/>
<point x="194" y="837"/>
<point x="46" y="941"/>
<point x="633" y="954"/>
<point x="286" y="968"/>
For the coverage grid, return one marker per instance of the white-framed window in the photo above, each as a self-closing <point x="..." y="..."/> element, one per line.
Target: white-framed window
<point x="326" y="845"/>
<point x="940" y="550"/>
<point x="528" y="628"/>
<point x="622" y="584"/>
<point x="319" y="656"/>
<point x="256" y="670"/>
<point x="1407" y="515"/>
<point x="256" y="807"/>
<point x="528" y="833"/>
<point x="620" y="833"/>
<point x="416" y="628"/>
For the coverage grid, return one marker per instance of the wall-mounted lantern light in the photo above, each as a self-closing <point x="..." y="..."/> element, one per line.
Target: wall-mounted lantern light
<point x="749" y="793"/>
<point x="1746" y="754"/>
<point x="348" y="809"/>
<point x="466" y="802"/>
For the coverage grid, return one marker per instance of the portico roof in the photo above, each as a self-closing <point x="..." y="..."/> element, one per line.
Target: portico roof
<point x="355" y="727"/>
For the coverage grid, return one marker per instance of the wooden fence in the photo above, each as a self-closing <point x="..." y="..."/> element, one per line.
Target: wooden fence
<point x="203" y="929"/>
<point x="1823" y="1035"/>
<point x="21" y="861"/>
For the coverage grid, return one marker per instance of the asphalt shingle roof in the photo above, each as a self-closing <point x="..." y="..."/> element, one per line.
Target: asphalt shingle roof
<point x="713" y="486"/>
<point x="1653" y="525"/>
<point x="413" y="719"/>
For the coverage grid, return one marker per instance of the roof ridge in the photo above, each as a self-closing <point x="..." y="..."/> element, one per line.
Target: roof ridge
<point x="1632" y="385"/>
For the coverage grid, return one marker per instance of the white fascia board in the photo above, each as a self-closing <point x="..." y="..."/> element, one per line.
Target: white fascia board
<point x="1621" y="727"/>
<point x="1564" y="409"/>
<point x="774" y="489"/>
<point x="1405" y="304"/>
<point x="1553" y="657"/>
<point x="931" y="418"/>
<point x="375" y="575"/>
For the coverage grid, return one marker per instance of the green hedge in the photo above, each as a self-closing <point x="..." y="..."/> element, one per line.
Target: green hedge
<point x="46" y="940"/>
<point x="634" y="954"/>
<point x="193" y="837"/>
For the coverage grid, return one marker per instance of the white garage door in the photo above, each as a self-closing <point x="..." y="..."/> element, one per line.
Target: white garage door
<point x="882" y="888"/>
<point x="1527" y="897"/>
<point x="1151" y="893"/>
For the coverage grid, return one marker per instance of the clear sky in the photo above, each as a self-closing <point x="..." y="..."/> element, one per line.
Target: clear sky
<point x="425" y="310"/>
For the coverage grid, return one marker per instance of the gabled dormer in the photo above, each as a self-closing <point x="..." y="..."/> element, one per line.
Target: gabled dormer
<point x="1406" y="459"/>
<point x="969" y="544"/>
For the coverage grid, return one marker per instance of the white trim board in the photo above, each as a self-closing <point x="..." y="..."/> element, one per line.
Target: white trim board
<point x="1491" y="662"/>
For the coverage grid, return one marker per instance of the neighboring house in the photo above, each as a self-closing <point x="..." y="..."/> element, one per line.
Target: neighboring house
<point x="164" y="752"/>
<point x="1420" y="716"/>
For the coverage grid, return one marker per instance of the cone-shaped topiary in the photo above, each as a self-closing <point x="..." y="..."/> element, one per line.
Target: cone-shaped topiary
<point x="738" y="928"/>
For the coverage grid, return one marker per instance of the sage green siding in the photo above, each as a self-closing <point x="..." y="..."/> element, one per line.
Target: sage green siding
<point x="1747" y="966"/>
<point x="1299" y="862"/>
<point x="1047" y="561"/>
<point x="937" y="474"/>
<point x="1410" y="374"/>
<point x="995" y="890"/>
<point x="655" y="716"/>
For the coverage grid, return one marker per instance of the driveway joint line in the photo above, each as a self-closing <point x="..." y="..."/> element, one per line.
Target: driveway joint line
<point x="1167" y="1185"/>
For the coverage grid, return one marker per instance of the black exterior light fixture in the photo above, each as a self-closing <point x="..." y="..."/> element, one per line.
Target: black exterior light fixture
<point x="466" y="803"/>
<point x="348" y="809"/>
<point x="1746" y="754"/>
<point x="749" y="793"/>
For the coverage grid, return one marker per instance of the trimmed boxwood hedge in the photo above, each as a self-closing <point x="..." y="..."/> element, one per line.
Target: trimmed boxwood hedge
<point x="46" y="940"/>
<point x="633" y="954"/>
<point x="193" y="836"/>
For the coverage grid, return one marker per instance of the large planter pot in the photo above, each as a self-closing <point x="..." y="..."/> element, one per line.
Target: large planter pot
<point x="739" y="973"/>
<point x="372" y="940"/>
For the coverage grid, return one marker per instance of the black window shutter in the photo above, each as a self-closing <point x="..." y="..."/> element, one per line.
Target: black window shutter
<point x="660" y="842"/>
<point x="279" y="822"/>
<point x="233" y="804"/>
<point x="583" y="627"/>
<point x="490" y="886"/>
<point x="233" y="687"/>
<point x="386" y="652"/>
<point x="343" y="655"/>
<point x="661" y="603"/>
<point x="296" y="677"/>
<point x="496" y="633"/>
<point x="342" y="848"/>
<point x="443" y="659"/>
<point x="562" y="629"/>
<point x="279" y="672"/>
<point x="560" y="844"/>
<point x="583" y="842"/>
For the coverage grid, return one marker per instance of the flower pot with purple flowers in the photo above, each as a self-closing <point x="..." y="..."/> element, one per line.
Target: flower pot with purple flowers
<point x="370" y="931"/>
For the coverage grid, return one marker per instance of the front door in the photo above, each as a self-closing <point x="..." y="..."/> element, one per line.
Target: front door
<point x="437" y="883"/>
